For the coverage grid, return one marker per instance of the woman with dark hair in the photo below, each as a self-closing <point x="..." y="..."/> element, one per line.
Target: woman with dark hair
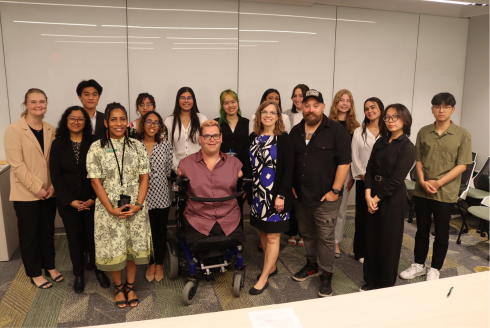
<point x="75" y="195"/>
<point x="295" y="115"/>
<point x="27" y="147"/>
<point x="144" y="103"/>
<point x="119" y="168"/>
<point x="343" y="111"/>
<point x="391" y="159"/>
<point x="159" y="151"/>
<point x="362" y="143"/>
<point x="183" y="125"/>
<point x="273" y="95"/>
<point x="271" y="155"/>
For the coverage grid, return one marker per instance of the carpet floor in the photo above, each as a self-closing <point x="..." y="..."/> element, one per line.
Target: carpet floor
<point x="23" y="305"/>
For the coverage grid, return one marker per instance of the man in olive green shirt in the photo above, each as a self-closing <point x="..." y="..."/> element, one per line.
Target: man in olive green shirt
<point x="442" y="152"/>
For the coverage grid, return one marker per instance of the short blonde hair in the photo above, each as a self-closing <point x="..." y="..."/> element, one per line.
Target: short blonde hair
<point x="207" y="124"/>
<point x="259" y="127"/>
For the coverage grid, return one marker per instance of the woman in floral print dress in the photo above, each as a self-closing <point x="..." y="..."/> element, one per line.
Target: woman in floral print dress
<point x="118" y="165"/>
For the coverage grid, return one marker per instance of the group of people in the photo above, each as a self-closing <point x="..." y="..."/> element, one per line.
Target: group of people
<point x="108" y="179"/>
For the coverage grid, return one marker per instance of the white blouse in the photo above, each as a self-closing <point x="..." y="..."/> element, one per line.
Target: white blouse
<point x="361" y="151"/>
<point x="285" y="119"/>
<point x="183" y="146"/>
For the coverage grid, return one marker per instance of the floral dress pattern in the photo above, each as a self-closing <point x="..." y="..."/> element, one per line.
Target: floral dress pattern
<point x="118" y="240"/>
<point x="263" y="158"/>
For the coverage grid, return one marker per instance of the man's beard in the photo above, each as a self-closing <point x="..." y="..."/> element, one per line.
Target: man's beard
<point x="312" y="119"/>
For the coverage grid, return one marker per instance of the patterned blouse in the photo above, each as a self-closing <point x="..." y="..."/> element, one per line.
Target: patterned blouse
<point x="161" y="165"/>
<point x="76" y="149"/>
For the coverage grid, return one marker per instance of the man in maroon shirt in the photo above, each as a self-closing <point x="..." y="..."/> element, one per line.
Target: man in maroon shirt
<point x="211" y="174"/>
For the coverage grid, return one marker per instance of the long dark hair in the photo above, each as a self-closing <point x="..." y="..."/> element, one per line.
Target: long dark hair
<point x="195" y="123"/>
<point x="268" y="92"/>
<point x="403" y="114"/>
<point x="304" y="88"/>
<point x="367" y="121"/>
<point x="161" y="128"/>
<point x="62" y="131"/>
<point x="143" y="96"/>
<point x="107" y="114"/>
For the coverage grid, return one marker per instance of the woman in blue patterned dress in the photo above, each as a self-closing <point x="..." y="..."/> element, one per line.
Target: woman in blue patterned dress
<point x="271" y="166"/>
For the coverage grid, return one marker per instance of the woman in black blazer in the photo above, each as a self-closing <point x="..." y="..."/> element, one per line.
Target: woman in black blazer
<point x="271" y="164"/>
<point x="75" y="195"/>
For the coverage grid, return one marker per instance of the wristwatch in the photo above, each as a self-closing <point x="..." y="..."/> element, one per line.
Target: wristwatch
<point x="281" y="197"/>
<point x="336" y="191"/>
<point x="138" y="204"/>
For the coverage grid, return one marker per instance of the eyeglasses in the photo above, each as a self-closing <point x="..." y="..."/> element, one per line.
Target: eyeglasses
<point x="150" y="123"/>
<point x="184" y="98"/>
<point x="76" y="119"/>
<point x="147" y="105"/>
<point x="314" y="106"/>
<point x="445" y="108"/>
<point x="208" y="137"/>
<point x="265" y="113"/>
<point x="393" y="118"/>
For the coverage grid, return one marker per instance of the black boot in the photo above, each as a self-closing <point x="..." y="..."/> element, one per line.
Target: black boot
<point x="89" y="262"/>
<point x="102" y="279"/>
<point x="79" y="284"/>
<point x="325" y="284"/>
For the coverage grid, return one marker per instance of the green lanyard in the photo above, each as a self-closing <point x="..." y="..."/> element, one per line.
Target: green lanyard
<point x="121" y="171"/>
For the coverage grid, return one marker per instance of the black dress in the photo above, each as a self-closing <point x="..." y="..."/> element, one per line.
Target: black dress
<point x="387" y="168"/>
<point x="271" y="164"/>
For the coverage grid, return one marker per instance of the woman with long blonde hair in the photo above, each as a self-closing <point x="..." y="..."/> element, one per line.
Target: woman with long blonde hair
<point x="343" y="111"/>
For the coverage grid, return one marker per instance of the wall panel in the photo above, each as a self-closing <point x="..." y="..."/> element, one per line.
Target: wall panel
<point x="441" y="56"/>
<point x="193" y="43"/>
<point x="375" y="55"/>
<point x="4" y="106"/>
<point x="293" y="45"/>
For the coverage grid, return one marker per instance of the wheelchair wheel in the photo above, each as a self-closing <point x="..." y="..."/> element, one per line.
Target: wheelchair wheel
<point x="171" y="262"/>
<point x="188" y="292"/>
<point x="237" y="284"/>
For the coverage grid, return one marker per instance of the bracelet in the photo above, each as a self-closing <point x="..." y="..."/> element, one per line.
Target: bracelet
<point x="281" y="197"/>
<point x="138" y="204"/>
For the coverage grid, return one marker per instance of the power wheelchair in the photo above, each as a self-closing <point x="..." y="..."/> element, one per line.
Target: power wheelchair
<point x="203" y="257"/>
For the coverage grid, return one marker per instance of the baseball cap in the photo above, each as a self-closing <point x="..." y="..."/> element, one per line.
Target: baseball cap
<point x="314" y="93"/>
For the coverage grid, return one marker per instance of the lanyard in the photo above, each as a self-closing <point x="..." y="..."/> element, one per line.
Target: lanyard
<point x="121" y="171"/>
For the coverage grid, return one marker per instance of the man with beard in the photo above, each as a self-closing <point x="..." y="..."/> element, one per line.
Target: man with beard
<point x="323" y="157"/>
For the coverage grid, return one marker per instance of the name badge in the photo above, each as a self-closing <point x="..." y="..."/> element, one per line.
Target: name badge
<point x="110" y="151"/>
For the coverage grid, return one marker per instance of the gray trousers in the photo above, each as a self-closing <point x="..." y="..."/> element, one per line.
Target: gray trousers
<point x="317" y="226"/>
<point x="342" y="216"/>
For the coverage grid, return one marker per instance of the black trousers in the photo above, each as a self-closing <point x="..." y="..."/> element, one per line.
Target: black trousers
<point x="384" y="237"/>
<point x="293" y="224"/>
<point x="35" y="221"/>
<point x="424" y="209"/>
<point x="79" y="228"/>
<point x="360" y="221"/>
<point x="158" y="224"/>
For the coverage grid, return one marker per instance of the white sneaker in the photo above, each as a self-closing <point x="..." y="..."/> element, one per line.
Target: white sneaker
<point x="361" y="260"/>
<point x="413" y="271"/>
<point x="432" y="274"/>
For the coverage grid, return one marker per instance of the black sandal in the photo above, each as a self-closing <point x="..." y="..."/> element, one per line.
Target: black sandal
<point x="119" y="289"/>
<point x="43" y="286"/>
<point x="57" y="279"/>
<point x="130" y="289"/>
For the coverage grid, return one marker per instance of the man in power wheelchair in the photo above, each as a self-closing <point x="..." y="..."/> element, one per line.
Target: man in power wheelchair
<point x="209" y="229"/>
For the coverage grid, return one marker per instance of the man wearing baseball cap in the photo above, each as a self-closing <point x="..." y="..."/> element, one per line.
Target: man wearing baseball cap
<point x="323" y="156"/>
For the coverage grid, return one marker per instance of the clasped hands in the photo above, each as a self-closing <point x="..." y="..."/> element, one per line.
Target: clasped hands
<point x="372" y="203"/>
<point x="80" y="206"/>
<point x="430" y="186"/>
<point x="124" y="215"/>
<point x="45" y="194"/>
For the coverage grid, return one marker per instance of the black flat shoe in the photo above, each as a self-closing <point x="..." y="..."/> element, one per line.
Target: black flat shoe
<point x="79" y="284"/>
<point x="255" y="291"/>
<point x="102" y="279"/>
<point x="273" y="273"/>
<point x="46" y="285"/>
<point x="89" y="263"/>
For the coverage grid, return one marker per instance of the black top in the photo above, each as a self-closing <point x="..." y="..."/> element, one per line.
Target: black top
<point x="100" y="129"/>
<point x="39" y="136"/>
<point x="69" y="178"/>
<point x="344" y="124"/>
<point x="284" y="169"/>
<point x="392" y="161"/>
<point x="236" y="140"/>
<point x="316" y="163"/>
